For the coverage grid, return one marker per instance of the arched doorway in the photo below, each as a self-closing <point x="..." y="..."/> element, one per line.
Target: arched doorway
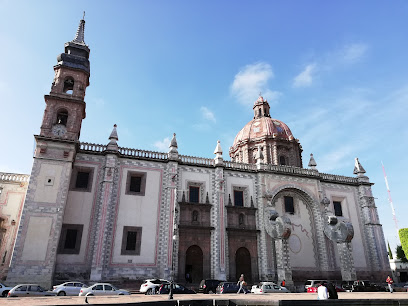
<point x="194" y="263"/>
<point x="243" y="264"/>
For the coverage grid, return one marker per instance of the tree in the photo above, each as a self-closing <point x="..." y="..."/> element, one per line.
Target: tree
<point x="389" y="251"/>
<point x="403" y="235"/>
<point x="401" y="254"/>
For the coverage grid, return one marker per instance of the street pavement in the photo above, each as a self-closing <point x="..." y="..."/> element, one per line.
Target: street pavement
<point x="137" y="298"/>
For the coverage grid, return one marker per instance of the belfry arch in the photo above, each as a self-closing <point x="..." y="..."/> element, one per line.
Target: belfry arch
<point x="314" y="209"/>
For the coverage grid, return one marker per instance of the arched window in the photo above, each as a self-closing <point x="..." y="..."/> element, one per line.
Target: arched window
<point x="62" y="117"/>
<point x="69" y="86"/>
<point x="195" y="216"/>
<point x="259" y="112"/>
<point x="241" y="219"/>
<point x="282" y="160"/>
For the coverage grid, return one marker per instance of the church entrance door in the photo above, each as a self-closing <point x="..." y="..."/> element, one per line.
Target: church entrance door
<point x="243" y="264"/>
<point x="194" y="263"/>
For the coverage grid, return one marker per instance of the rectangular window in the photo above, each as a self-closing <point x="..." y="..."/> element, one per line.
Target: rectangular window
<point x="238" y="198"/>
<point x="70" y="239"/>
<point x="131" y="240"/>
<point x="81" y="179"/>
<point x="136" y="183"/>
<point x="337" y="209"/>
<point x="289" y="207"/>
<point x="194" y="194"/>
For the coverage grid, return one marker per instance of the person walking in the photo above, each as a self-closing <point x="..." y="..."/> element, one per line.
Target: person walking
<point x="390" y="282"/>
<point x="322" y="293"/>
<point x="283" y="283"/>
<point x="241" y="283"/>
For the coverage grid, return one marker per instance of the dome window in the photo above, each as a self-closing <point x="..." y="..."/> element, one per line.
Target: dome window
<point x="69" y="86"/>
<point x="282" y="160"/>
<point x="62" y="117"/>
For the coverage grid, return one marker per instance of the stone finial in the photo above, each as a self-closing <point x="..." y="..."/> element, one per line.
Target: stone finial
<point x="207" y="199"/>
<point x="312" y="163"/>
<point x="173" y="151"/>
<point x="358" y="169"/>
<point x="229" y="200"/>
<point x="183" y="197"/>
<point x="112" y="145"/>
<point x="80" y="34"/>
<point x="218" y="154"/>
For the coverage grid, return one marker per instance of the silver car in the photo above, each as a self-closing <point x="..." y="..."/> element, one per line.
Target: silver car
<point x="102" y="289"/>
<point x="268" y="287"/>
<point x="69" y="288"/>
<point x="29" y="290"/>
<point x="4" y="290"/>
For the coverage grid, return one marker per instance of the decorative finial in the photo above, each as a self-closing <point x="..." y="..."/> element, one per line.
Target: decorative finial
<point x="80" y="34"/>
<point x="312" y="163"/>
<point x="173" y="151"/>
<point x="83" y="16"/>
<point x="358" y="168"/>
<point x="113" y="137"/>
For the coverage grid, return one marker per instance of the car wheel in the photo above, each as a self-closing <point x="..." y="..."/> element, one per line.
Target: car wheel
<point x="5" y="292"/>
<point x="89" y="294"/>
<point x="210" y="291"/>
<point x="61" y="293"/>
<point x="149" y="292"/>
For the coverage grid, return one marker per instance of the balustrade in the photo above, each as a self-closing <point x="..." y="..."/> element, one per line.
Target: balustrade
<point x="13" y="177"/>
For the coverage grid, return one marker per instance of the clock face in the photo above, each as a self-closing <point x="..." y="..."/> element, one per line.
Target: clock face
<point x="59" y="130"/>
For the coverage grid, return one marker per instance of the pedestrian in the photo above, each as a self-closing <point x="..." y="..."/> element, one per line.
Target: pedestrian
<point x="188" y="278"/>
<point x="390" y="281"/>
<point x="242" y="284"/>
<point x="332" y="291"/>
<point x="322" y="293"/>
<point x="283" y="283"/>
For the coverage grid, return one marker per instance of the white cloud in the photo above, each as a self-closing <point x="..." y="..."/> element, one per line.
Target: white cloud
<point x="162" y="145"/>
<point x="305" y="78"/>
<point x="353" y="53"/>
<point x="250" y="81"/>
<point x="207" y="114"/>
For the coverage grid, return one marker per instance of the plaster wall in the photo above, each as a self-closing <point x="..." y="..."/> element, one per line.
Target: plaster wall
<point x="49" y="180"/>
<point x="195" y="177"/>
<point x="35" y="246"/>
<point x="78" y="210"/>
<point x="139" y="211"/>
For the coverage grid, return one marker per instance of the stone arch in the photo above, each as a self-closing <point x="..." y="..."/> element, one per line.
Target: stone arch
<point x="62" y="116"/>
<point x="243" y="264"/>
<point x="316" y="221"/>
<point x="68" y="85"/>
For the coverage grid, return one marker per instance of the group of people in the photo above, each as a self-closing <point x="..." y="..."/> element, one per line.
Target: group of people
<point x="326" y="291"/>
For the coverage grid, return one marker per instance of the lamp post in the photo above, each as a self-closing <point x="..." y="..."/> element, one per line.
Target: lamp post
<point x="172" y="268"/>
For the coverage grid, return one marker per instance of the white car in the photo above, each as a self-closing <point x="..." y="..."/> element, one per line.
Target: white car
<point x="151" y="286"/>
<point x="268" y="287"/>
<point x="4" y="290"/>
<point x="102" y="289"/>
<point x="69" y="288"/>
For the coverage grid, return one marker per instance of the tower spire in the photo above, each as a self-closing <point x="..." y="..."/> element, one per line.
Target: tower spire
<point x="80" y="34"/>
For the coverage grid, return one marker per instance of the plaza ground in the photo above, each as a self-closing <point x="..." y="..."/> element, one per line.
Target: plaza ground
<point x="354" y="298"/>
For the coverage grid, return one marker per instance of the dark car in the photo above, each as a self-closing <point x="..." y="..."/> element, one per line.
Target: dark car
<point x="227" y="287"/>
<point x="366" y="286"/>
<point x="177" y="289"/>
<point x="209" y="285"/>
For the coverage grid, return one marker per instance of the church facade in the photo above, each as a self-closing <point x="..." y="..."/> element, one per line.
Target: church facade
<point x="101" y="212"/>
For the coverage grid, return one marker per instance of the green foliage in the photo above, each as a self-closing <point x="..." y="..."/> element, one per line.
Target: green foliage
<point x="403" y="235"/>
<point x="401" y="254"/>
<point x="389" y="251"/>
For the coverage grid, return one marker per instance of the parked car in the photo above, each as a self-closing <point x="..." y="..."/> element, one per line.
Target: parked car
<point x="314" y="288"/>
<point x="347" y="285"/>
<point x="69" y="288"/>
<point x="313" y="282"/>
<point x="366" y="286"/>
<point x="227" y="287"/>
<point x="151" y="286"/>
<point x="4" y="289"/>
<point x="268" y="287"/>
<point x="102" y="289"/>
<point x="29" y="290"/>
<point x="177" y="289"/>
<point x="208" y="286"/>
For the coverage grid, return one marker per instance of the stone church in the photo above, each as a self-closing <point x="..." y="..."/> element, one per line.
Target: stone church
<point x="102" y="212"/>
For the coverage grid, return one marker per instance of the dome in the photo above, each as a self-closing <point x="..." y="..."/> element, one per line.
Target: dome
<point x="271" y="137"/>
<point x="261" y="128"/>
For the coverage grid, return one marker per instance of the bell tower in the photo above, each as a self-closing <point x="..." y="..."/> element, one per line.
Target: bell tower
<point x="36" y="245"/>
<point x="65" y="106"/>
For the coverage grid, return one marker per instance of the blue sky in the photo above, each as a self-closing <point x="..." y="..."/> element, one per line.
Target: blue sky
<point x="334" y="71"/>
